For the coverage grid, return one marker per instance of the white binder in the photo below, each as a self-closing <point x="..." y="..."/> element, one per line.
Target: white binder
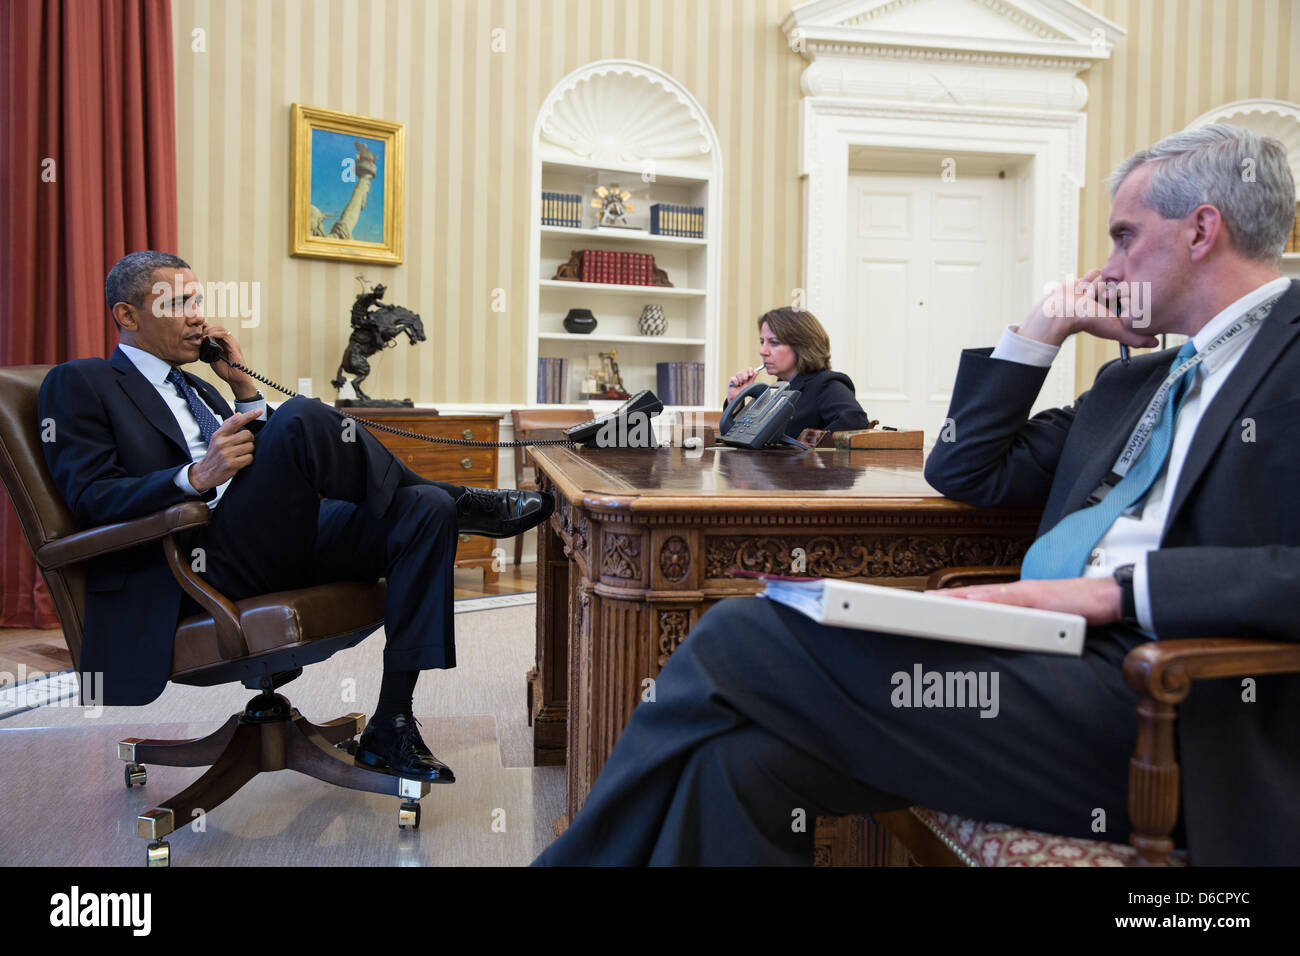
<point x="869" y="607"/>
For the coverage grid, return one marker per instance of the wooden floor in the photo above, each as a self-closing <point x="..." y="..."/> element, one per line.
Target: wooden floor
<point x="44" y="650"/>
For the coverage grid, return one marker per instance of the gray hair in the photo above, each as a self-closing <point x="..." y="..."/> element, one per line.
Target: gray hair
<point x="1244" y="176"/>
<point x="131" y="279"/>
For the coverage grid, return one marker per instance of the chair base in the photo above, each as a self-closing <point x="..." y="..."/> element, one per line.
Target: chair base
<point x="269" y="735"/>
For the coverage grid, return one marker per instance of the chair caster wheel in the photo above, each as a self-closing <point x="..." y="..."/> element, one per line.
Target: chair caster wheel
<point x="135" y="775"/>
<point x="408" y="815"/>
<point x="160" y="853"/>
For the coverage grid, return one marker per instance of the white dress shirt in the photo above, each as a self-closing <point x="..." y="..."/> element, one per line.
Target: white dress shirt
<point x="156" y="371"/>
<point x="1141" y="528"/>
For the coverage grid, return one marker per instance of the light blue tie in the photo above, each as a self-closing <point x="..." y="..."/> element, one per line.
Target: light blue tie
<point x="1064" y="550"/>
<point x="208" y="423"/>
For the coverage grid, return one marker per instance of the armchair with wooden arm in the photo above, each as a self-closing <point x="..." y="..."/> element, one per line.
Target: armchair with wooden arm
<point x="262" y="642"/>
<point x="1161" y="673"/>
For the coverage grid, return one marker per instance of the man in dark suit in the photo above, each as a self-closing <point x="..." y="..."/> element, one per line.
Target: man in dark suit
<point x="323" y="501"/>
<point x="762" y="720"/>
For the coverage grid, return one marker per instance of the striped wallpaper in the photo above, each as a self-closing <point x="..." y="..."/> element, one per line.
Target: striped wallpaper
<point x="469" y="115"/>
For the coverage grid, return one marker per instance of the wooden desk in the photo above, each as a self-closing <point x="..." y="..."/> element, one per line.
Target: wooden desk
<point x="641" y="543"/>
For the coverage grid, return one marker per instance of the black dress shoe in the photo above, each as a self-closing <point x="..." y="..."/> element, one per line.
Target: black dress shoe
<point x="501" y="514"/>
<point x="395" y="746"/>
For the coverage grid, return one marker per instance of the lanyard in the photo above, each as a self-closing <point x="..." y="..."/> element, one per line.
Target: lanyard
<point x="1146" y="425"/>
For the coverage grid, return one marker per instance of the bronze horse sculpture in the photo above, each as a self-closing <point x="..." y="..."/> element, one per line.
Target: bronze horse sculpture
<point x="372" y="331"/>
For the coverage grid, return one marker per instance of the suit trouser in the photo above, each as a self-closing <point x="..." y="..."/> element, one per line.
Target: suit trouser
<point x="320" y="503"/>
<point x="762" y="720"/>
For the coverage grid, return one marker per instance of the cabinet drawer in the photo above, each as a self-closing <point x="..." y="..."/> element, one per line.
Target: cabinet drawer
<point x="451" y="464"/>
<point x="439" y="428"/>
<point x="457" y="464"/>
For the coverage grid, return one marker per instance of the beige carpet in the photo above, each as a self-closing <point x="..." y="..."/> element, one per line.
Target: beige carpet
<point x="494" y="649"/>
<point x="63" y="793"/>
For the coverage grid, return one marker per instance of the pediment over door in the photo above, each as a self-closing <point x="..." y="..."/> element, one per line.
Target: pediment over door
<point x="957" y="51"/>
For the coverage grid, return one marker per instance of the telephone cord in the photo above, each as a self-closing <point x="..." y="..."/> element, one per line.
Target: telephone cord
<point x="384" y="427"/>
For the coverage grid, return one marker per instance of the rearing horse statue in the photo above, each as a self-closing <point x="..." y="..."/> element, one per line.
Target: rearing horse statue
<point x="373" y="330"/>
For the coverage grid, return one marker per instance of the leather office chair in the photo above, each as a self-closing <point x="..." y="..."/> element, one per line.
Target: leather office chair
<point x="1161" y="673"/>
<point x="263" y="642"/>
<point x="539" y="424"/>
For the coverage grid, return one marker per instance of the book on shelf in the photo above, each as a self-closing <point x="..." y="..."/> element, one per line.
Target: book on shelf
<point x="561" y="209"/>
<point x="680" y="383"/>
<point x="664" y="384"/>
<point x="621" y="268"/>
<point x="552" y="378"/>
<point x="670" y="219"/>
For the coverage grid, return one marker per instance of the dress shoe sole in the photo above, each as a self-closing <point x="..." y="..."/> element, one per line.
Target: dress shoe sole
<point x="374" y="761"/>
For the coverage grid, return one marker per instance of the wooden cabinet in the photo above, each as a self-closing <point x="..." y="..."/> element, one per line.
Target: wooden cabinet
<point x="454" y="464"/>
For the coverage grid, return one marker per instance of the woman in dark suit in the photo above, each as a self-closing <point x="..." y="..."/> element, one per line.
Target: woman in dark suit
<point x="795" y="348"/>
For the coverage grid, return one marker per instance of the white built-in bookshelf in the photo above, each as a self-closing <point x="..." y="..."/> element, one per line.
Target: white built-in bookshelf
<point x="595" y="129"/>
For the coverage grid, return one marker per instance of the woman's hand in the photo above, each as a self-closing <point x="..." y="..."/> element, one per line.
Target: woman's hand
<point x="740" y="381"/>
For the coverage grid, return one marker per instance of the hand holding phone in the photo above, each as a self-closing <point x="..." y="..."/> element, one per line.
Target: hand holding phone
<point x="219" y="349"/>
<point x="229" y="451"/>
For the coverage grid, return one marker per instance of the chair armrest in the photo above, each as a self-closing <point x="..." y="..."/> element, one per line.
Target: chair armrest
<point x="960" y="577"/>
<point x="84" y="545"/>
<point x="1161" y="673"/>
<point x="1164" y="670"/>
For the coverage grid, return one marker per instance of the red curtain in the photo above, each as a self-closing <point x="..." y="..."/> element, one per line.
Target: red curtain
<point x="88" y="147"/>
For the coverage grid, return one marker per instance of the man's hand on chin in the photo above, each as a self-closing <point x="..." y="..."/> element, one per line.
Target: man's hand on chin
<point x="1096" y="599"/>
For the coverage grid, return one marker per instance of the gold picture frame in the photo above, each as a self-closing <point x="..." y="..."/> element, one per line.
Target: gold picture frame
<point x="345" y="186"/>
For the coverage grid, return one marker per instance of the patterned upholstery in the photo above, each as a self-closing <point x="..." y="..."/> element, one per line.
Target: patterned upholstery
<point x="997" y="844"/>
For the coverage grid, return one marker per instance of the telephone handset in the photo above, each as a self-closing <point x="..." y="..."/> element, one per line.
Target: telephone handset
<point x="627" y="426"/>
<point x="210" y="351"/>
<point x="762" y="423"/>
<point x="643" y="402"/>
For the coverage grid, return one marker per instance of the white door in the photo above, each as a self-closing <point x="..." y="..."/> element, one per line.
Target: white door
<point x="931" y="269"/>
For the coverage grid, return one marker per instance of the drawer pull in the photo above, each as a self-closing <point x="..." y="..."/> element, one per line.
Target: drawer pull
<point x="467" y="463"/>
<point x="467" y="434"/>
<point x="463" y="537"/>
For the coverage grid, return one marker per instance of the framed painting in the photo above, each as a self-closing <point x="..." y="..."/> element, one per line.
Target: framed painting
<point x="345" y="186"/>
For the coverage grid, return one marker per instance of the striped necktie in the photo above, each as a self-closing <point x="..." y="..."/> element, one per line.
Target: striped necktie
<point x="1063" y="551"/>
<point x="208" y="423"/>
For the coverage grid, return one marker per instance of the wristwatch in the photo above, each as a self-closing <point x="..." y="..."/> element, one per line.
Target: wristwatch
<point x="1127" y="602"/>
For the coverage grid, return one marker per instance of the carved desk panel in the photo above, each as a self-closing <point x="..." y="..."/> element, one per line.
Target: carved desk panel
<point x="642" y="543"/>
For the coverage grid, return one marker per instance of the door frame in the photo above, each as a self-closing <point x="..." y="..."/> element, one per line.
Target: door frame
<point x="1050" y="143"/>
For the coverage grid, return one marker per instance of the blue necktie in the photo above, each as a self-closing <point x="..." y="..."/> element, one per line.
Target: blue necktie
<point x="1064" y="550"/>
<point x="208" y="423"/>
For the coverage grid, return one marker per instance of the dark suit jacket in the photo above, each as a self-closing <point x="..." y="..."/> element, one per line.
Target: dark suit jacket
<point x="118" y="448"/>
<point x="1228" y="565"/>
<point x="828" y="403"/>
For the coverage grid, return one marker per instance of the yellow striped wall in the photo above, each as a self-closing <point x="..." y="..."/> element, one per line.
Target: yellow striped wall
<point x="1181" y="58"/>
<point x="469" y="115"/>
